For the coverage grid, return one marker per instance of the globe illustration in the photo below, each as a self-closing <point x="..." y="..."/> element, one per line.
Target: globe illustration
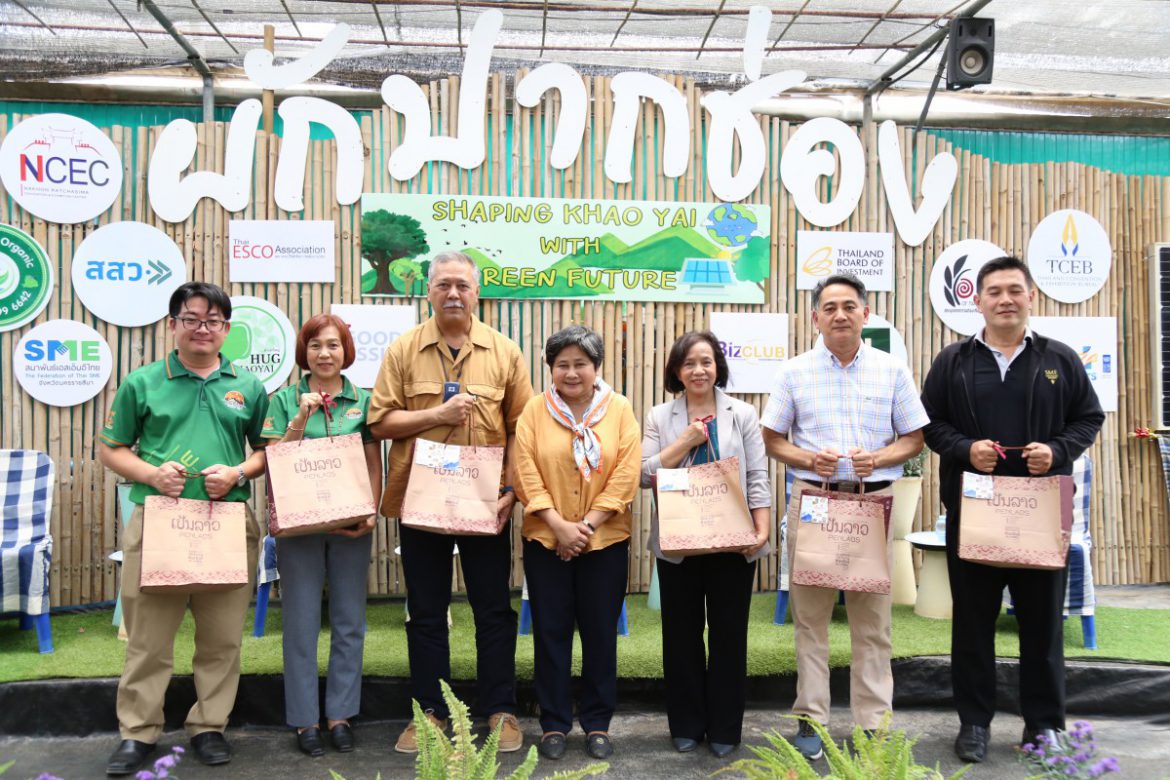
<point x="731" y="224"/>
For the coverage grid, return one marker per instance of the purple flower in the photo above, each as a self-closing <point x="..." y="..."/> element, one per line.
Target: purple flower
<point x="47" y="776"/>
<point x="178" y="750"/>
<point x="165" y="762"/>
<point x="145" y="774"/>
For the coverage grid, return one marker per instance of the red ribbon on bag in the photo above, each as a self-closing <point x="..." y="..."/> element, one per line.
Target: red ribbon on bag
<point x="705" y="420"/>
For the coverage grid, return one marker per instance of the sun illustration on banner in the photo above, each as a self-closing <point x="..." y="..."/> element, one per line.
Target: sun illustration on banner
<point x="1068" y="237"/>
<point x="819" y="262"/>
<point x="731" y="224"/>
<point x="958" y="289"/>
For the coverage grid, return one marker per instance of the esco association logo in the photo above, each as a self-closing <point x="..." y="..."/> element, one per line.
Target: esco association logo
<point x="958" y="288"/>
<point x="819" y="262"/>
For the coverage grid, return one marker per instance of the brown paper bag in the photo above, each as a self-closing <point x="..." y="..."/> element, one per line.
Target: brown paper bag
<point x="842" y="541"/>
<point x="703" y="512"/>
<point x="190" y="546"/>
<point x="315" y="485"/>
<point x="1016" y="522"/>
<point x="453" y="489"/>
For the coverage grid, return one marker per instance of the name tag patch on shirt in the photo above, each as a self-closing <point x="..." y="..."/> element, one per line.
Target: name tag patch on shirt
<point x="978" y="486"/>
<point x="814" y="509"/>
<point x="673" y="479"/>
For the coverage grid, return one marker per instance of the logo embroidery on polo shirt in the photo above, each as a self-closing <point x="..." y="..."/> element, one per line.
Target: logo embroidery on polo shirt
<point x="234" y="399"/>
<point x="1051" y="375"/>
<point x="354" y="413"/>
<point x="110" y="418"/>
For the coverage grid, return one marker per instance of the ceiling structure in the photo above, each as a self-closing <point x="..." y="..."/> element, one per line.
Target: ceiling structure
<point x="1112" y="48"/>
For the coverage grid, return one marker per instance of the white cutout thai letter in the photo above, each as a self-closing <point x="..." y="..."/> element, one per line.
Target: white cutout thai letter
<point x="467" y="148"/>
<point x="801" y="166"/>
<point x="297" y="113"/>
<point x="754" y="38"/>
<point x="574" y="106"/>
<point x="173" y="197"/>
<point x="258" y="62"/>
<point x="937" y="184"/>
<point x="628" y="90"/>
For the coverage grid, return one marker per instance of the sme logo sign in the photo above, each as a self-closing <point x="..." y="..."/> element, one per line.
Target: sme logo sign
<point x="62" y="362"/>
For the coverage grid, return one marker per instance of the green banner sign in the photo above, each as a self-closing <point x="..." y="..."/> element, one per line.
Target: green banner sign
<point x="610" y="250"/>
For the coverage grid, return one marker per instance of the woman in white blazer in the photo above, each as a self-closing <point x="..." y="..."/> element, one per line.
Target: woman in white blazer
<point x="706" y="688"/>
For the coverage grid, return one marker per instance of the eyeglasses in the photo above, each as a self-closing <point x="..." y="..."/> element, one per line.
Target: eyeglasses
<point x="193" y="323"/>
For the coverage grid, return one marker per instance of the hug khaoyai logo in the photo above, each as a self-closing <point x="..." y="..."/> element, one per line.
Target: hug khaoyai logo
<point x="958" y="287"/>
<point x="234" y="399"/>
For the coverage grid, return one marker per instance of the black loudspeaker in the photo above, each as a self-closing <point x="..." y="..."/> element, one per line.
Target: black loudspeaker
<point x="970" y="52"/>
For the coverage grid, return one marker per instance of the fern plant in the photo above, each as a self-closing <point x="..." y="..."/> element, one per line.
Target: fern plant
<point x="457" y="758"/>
<point x="884" y="755"/>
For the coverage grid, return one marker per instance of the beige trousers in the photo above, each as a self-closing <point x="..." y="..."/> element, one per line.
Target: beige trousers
<point x="152" y="620"/>
<point x="871" y="681"/>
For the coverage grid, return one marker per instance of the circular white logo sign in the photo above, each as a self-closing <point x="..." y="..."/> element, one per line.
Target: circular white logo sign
<point x="952" y="283"/>
<point x="125" y="273"/>
<point x="1069" y="256"/>
<point x="26" y="278"/>
<point x="261" y="340"/>
<point x="60" y="168"/>
<point x="62" y="362"/>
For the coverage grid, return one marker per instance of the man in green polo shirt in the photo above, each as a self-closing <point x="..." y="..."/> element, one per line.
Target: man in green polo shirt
<point x="191" y="416"/>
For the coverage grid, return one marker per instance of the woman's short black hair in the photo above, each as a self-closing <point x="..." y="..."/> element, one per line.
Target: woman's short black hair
<point x="678" y="356"/>
<point x="575" y="336"/>
<point x="212" y="293"/>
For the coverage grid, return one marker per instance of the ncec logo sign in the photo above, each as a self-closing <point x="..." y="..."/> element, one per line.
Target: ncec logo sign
<point x="60" y="168"/>
<point x="62" y="362"/>
<point x="126" y="272"/>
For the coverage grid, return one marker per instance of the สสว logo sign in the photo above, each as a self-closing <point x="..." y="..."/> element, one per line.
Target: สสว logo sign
<point x="952" y="283"/>
<point x="261" y="340"/>
<point x="126" y="272"/>
<point x="62" y="362"/>
<point x="1069" y="256"/>
<point x="26" y="278"/>
<point x="60" y="168"/>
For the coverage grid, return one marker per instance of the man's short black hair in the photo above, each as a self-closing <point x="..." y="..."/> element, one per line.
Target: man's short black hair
<point x="678" y="355"/>
<point x="212" y="293"/>
<point x="1005" y="263"/>
<point x="846" y="279"/>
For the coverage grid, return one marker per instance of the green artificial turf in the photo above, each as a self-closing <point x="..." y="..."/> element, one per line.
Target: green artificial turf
<point x="87" y="644"/>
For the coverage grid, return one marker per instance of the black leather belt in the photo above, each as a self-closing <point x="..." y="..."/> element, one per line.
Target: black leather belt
<point x="851" y="487"/>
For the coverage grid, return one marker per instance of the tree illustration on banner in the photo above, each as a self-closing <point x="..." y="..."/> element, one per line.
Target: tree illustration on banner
<point x="386" y="239"/>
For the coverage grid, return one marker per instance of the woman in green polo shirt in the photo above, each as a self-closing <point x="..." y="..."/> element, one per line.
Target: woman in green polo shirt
<point x="341" y="556"/>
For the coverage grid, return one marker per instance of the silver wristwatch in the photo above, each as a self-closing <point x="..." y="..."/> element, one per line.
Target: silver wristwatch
<point x="242" y="480"/>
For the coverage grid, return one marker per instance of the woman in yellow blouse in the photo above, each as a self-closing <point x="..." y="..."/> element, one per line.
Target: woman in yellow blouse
<point x="578" y="460"/>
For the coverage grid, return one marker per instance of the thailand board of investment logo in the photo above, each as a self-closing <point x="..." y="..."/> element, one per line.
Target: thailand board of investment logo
<point x="26" y="278"/>
<point x="819" y="262"/>
<point x="958" y="283"/>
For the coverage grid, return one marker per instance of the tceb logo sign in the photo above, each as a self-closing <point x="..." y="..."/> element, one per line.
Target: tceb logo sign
<point x="125" y="273"/>
<point x="1069" y="256"/>
<point x="62" y="362"/>
<point x="60" y="168"/>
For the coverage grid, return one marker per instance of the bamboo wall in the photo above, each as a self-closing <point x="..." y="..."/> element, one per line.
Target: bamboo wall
<point x="993" y="201"/>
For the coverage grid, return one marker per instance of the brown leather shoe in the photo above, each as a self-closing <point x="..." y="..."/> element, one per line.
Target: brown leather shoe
<point x="511" y="738"/>
<point x="408" y="739"/>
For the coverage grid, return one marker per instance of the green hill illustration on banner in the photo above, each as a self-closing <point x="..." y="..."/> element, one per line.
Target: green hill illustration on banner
<point x="558" y="248"/>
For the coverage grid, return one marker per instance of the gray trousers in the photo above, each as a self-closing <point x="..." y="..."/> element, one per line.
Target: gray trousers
<point x="306" y="563"/>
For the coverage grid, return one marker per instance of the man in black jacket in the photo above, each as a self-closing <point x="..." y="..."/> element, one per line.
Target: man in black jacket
<point x="1008" y="402"/>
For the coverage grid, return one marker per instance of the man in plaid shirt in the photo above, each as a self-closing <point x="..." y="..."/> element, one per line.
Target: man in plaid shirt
<point x="842" y="413"/>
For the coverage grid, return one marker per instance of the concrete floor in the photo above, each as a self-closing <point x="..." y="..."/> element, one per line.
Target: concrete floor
<point x="640" y="738"/>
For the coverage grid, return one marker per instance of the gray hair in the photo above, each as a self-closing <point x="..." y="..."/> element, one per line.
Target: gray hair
<point x="575" y="336"/>
<point x="848" y="280"/>
<point x="450" y="257"/>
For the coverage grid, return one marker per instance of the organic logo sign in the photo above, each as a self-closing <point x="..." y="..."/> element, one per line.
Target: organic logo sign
<point x="952" y="283"/>
<point x="1069" y="256"/>
<point x="62" y="362"/>
<point x="125" y="273"/>
<point x="26" y="278"/>
<point x="261" y="341"/>
<point x="60" y="168"/>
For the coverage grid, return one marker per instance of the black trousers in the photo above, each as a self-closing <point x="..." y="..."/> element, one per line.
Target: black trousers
<point x="1038" y="597"/>
<point x="487" y="569"/>
<point x="706" y="686"/>
<point x="587" y="591"/>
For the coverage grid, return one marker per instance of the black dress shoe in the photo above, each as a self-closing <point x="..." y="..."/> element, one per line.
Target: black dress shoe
<point x="128" y="757"/>
<point x="211" y="748"/>
<point x="721" y="749"/>
<point x="598" y="745"/>
<point x="1051" y="737"/>
<point x="552" y="745"/>
<point x="309" y="741"/>
<point x="971" y="744"/>
<point x="341" y="736"/>
<point x="684" y="744"/>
